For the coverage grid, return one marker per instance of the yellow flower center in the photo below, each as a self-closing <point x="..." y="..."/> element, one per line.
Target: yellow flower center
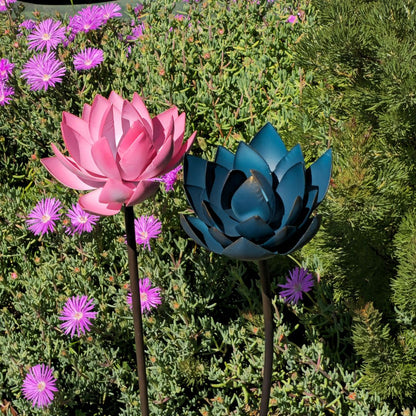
<point x="78" y="315"/>
<point x="41" y="386"/>
<point x="83" y="219"/>
<point x="46" y="77"/>
<point x="46" y="36"/>
<point x="143" y="297"/>
<point x="45" y="218"/>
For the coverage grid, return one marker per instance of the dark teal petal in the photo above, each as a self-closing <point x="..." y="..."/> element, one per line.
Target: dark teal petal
<point x="194" y="170"/>
<point x="319" y="174"/>
<point x="247" y="159"/>
<point x="243" y="249"/>
<point x="220" y="219"/>
<point x="301" y="237"/>
<point x="234" y="180"/>
<point x="291" y="187"/>
<point x="255" y="229"/>
<point x="220" y="236"/>
<point x="294" y="212"/>
<point x="195" y="197"/>
<point x="312" y="195"/>
<point x="279" y="237"/>
<point x="224" y="158"/>
<point x="292" y="158"/>
<point x="270" y="146"/>
<point x="199" y="232"/>
<point x="218" y="176"/>
<point x="268" y="192"/>
<point x="249" y="201"/>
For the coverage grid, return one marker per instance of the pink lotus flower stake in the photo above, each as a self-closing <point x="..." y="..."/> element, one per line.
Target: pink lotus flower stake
<point x="116" y="150"/>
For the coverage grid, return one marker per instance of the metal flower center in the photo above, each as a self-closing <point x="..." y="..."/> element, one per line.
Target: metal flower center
<point x="41" y="386"/>
<point x="45" y="218"/>
<point x="78" y="315"/>
<point x="46" y="36"/>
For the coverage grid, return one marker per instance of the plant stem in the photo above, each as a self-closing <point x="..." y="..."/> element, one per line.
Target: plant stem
<point x="268" y="336"/>
<point x="137" y="315"/>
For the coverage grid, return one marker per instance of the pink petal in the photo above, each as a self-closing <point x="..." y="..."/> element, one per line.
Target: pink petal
<point x="163" y="125"/>
<point x="90" y="202"/>
<point x="144" y="114"/>
<point x="115" y="191"/>
<point x="129" y="112"/>
<point x="144" y="190"/>
<point x="179" y="155"/>
<point x="104" y="158"/>
<point x="136" y="152"/>
<point x="75" y="132"/>
<point x="86" y="111"/>
<point x="66" y="176"/>
<point x="99" y="111"/>
<point x="116" y="100"/>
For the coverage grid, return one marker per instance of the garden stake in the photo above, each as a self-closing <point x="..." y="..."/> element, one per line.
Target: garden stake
<point x="268" y="336"/>
<point x="137" y="314"/>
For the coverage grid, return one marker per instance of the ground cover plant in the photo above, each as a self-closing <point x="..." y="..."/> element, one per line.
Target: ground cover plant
<point x="344" y="344"/>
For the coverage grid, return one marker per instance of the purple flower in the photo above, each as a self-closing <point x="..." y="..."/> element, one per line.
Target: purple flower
<point x="88" y="18"/>
<point x="42" y="218"/>
<point x="149" y="297"/>
<point x="300" y="281"/>
<point x="88" y="58"/>
<point x="5" y="93"/>
<point x="28" y="24"/>
<point x="292" y="19"/>
<point x="81" y="221"/>
<point x="4" y="4"/>
<point x="6" y="68"/>
<point x="39" y="385"/>
<point x="43" y="71"/>
<point x="47" y="34"/>
<point x="170" y="178"/>
<point x="138" y="9"/>
<point x="137" y="32"/>
<point x="77" y="314"/>
<point x="110" y="10"/>
<point x="146" y="227"/>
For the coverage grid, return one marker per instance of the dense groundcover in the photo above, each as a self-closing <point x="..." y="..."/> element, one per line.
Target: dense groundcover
<point x="336" y="74"/>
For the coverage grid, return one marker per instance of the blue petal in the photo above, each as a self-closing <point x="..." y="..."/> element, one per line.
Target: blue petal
<point x="194" y="170"/>
<point x="291" y="187"/>
<point x="319" y="174"/>
<point x="247" y="159"/>
<point x="199" y="232"/>
<point x="270" y="146"/>
<point x="224" y="158"/>
<point x="301" y="237"/>
<point x="255" y="229"/>
<point x="218" y="177"/>
<point x="220" y="219"/>
<point x="268" y="192"/>
<point x="249" y="201"/>
<point x="220" y="237"/>
<point x="234" y="180"/>
<point x="279" y="237"/>
<point x="292" y="158"/>
<point x="243" y="249"/>
<point x="195" y="197"/>
<point x="308" y="208"/>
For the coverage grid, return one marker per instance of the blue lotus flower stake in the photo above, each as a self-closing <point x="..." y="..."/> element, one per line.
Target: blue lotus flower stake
<point x="255" y="204"/>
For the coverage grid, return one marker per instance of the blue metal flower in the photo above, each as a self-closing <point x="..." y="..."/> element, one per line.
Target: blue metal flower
<point x="258" y="202"/>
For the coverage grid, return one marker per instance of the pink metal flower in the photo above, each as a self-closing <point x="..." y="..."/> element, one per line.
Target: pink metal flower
<point x="116" y="150"/>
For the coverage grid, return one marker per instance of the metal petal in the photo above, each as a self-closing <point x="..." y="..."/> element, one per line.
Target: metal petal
<point x="224" y="158"/>
<point x="292" y="158"/>
<point x="279" y="237"/>
<point x="194" y="169"/>
<point x="199" y="232"/>
<point x="291" y="187"/>
<point x="255" y="230"/>
<point x="220" y="236"/>
<point x="216" y="177"/>
<point x="220" y="219"/>
<point x="301" y="237"/>
<point x="312" y="195"/>
<point x="249" y="201"/>
<point x="270" y="146"/>
<point x="268" y="193"/>
<point x="319" y="175"/>
<point x="234" y="180"/>
<point x="243" y="249"/>
<point x="196" y="196"/>
<point x="247" y="159"/>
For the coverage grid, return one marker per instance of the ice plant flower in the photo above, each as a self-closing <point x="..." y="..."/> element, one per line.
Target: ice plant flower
<point x="47" y="34"/>
<point x="28" y="24"/>
<point x="88" y="58"/>
<point x="292" y="19"/>
<point x="149" y="296"/>
<point x="77" y="314"/>
<point x="81" y="221"/>
<point x="145" y="228"/>
<point x="299" y="281"/>
<point x="116" y="150"/>
<point x="39" y="385"/>
<point x="43" y="217"/>
<point x="5" y="3"/>
<point x="169" y="178"/>
<point x="136" y="31"/>
<point x="88" y="18"/>
<point x="110" y="10"/>
<point x="255" y="203"/>
<point x="43" y="71"/>
<point x="6" y="68"/>
<point x="5" y="93"/>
